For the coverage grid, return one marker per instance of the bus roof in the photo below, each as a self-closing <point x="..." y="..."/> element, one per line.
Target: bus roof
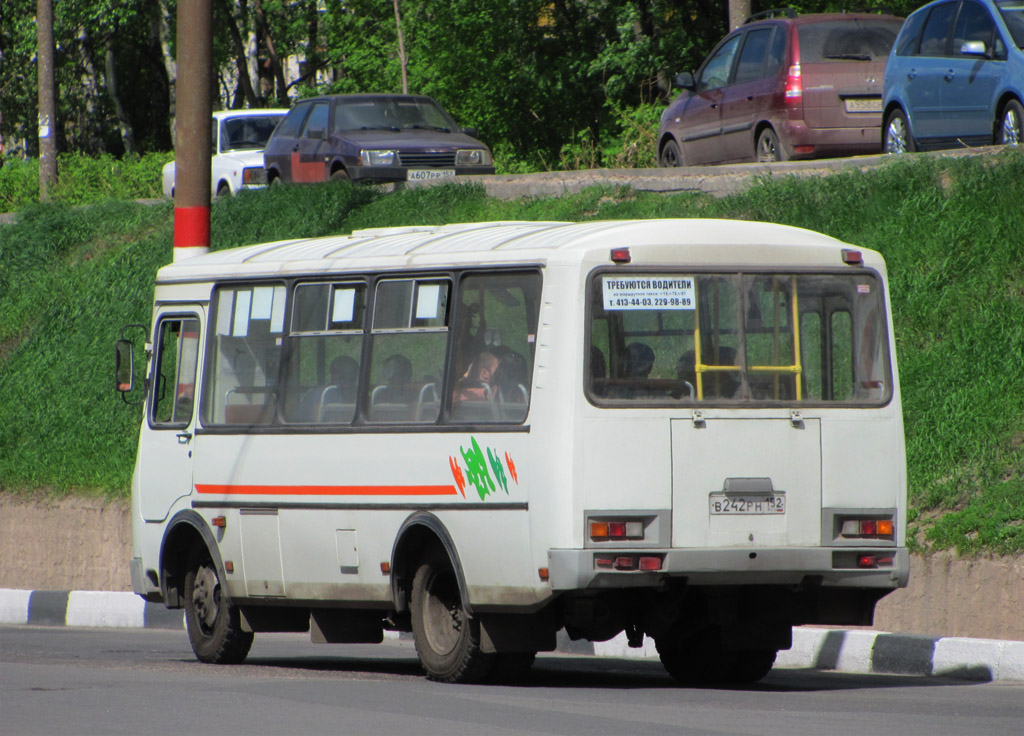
<point x="485" y="243"/>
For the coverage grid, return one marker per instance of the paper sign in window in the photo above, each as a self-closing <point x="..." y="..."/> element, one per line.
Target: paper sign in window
<point x="241" y="326"/>
<point x="426" y="301"/>
<point x="344" y="309"/>
<point x="648" y="292"/>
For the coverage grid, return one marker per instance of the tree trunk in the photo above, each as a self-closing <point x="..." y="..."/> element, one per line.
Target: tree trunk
<point x="91" y="138"/>
<point x="125" y="126"/>
<point x="170" y="64"/>
<point x="233" y="14"/>
<point x="276" y="70"/>
<point x="739" y="11"/>
<point x="401" y="52"/>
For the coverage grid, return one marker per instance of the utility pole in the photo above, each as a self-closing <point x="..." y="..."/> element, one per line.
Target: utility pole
<point x="192" y="129"/>
<point x="45" y="52"/>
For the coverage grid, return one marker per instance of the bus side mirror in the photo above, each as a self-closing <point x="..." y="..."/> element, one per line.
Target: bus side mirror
<point x="124" y="366"/>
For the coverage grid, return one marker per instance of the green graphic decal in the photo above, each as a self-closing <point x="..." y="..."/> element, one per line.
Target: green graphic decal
<point x="477" y="474"/>
<point x="476" y="470"/>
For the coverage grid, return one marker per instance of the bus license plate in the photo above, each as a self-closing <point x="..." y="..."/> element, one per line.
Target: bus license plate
<point x="429" y="174"/>
<point x="723" y="505"/>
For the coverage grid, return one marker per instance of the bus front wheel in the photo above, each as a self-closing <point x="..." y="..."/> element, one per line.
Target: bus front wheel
<point x="213" y="622"/>
<point x="447" y="637"/>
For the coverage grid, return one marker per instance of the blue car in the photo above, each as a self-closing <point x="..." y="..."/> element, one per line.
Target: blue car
<point x="955" y="77"/>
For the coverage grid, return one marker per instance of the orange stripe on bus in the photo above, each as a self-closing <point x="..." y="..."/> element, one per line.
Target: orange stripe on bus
<point x="237" y="490"/>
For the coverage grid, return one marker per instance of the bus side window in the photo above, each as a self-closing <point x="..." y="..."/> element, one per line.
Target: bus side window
<point x="241" y="383"/>
<point x="409" y="340"/>
<point x="496" y="327"/>
<point x="174" y="373"/>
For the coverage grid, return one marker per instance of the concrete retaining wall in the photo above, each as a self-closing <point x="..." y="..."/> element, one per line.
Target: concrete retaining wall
<point x="85" y="544"/>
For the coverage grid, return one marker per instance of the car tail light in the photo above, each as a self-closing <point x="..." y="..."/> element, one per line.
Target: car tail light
<point x="852" y="257"/>
<point x="794" y="86"/>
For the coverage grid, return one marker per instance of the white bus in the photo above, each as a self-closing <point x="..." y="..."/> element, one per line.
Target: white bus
<point x="486" y="433"/>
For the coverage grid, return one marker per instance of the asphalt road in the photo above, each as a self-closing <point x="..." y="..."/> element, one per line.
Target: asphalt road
<point x="138" y="681"/>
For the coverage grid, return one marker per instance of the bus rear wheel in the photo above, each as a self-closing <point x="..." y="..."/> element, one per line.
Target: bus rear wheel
<point x="751" y="665"/>
<point x="213" y="622"/>
<point x="698" y="659"/>
<point x="447" y="637"/>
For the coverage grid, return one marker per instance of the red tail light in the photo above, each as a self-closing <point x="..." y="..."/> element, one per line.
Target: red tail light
<point x="794" y="86"/>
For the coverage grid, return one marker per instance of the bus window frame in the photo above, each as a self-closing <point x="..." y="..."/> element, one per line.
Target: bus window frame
<point x="601" y="402"/>
<point x="359" y="423"/>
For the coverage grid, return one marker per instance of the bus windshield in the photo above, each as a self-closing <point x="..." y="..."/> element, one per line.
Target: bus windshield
<point x="673" y="337"/>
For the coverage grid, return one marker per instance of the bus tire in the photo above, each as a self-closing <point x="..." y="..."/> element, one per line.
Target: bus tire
<point x="213" y="622"/>
<point x="696" y="660"/>
<point x="751" y="665"/>
<point x="447" y="638"/>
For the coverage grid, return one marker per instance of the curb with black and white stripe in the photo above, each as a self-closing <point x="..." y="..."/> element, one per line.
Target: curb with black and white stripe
<point x="852" y="651"/>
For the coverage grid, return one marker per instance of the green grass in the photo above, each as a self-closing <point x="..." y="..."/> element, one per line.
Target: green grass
<point x="950" y="230"/>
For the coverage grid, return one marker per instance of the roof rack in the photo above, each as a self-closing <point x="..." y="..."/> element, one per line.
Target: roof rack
<point x="777" y="12"/>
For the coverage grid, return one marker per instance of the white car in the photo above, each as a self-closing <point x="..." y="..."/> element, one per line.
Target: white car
<point x="239" y="137"/>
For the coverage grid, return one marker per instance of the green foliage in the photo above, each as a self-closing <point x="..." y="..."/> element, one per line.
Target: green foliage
<point x="949" y="229"/>
<point x="83" y="179"/>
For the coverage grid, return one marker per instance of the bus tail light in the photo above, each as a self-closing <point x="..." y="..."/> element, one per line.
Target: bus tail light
<point x="874" y="561"/>
<point x="867" y="528"/>
<point x="650" y="562"/>
<point x="643" y="563"/>
<point x="619" y="529"/>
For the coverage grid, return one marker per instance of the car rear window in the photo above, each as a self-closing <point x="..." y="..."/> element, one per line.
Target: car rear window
<point x="847" y="40"/>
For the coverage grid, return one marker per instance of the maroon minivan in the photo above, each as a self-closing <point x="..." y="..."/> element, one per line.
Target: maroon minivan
<point x="783" y="86"/>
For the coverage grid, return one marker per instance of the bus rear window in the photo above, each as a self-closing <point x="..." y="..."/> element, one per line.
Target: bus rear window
<point x="669" y="338"/>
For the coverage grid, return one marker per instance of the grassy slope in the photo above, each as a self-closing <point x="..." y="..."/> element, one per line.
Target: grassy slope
<point x="952" y="232"/>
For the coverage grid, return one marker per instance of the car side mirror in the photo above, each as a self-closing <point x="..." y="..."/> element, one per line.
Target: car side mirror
<point x="685" y="81"/>
<point x="471" y="132"/>
<point x="973" y="48"/>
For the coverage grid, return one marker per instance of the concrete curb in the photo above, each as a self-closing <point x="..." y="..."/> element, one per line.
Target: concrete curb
<point x="851" y="651"/>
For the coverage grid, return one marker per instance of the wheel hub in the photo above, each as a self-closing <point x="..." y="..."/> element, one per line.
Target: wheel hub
<point x="205" y="596"/>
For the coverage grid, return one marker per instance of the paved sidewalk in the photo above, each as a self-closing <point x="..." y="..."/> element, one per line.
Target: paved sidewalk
<point x="854" y="651"/>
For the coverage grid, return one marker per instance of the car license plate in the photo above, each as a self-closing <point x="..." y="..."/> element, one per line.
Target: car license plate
<point x="731" y="505"/>
<point x="428" y="174"/>
<point x="863" y="104"/>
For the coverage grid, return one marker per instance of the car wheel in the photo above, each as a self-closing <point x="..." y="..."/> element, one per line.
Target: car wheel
<point x="213" y="622"/>
<point x="896" y="135"/>
<point x="670" y="155"/>
<point x="223" y="190"/>
<point x="768" y="147"/>
<point x="1011" y="129"/>
<point x="339" y="175"/>
<point x="447" y="638"/>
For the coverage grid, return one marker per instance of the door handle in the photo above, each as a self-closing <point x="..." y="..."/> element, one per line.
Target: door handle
<point x="750" y="98"/>
<point x="950" y="75"/>
<point x="184" y="438"/>
<point x="714" y="106"/>
<point x="912" y="74"/>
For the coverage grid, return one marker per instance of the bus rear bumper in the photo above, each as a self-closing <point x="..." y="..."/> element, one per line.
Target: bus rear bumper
<point x="583" y="569"/>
